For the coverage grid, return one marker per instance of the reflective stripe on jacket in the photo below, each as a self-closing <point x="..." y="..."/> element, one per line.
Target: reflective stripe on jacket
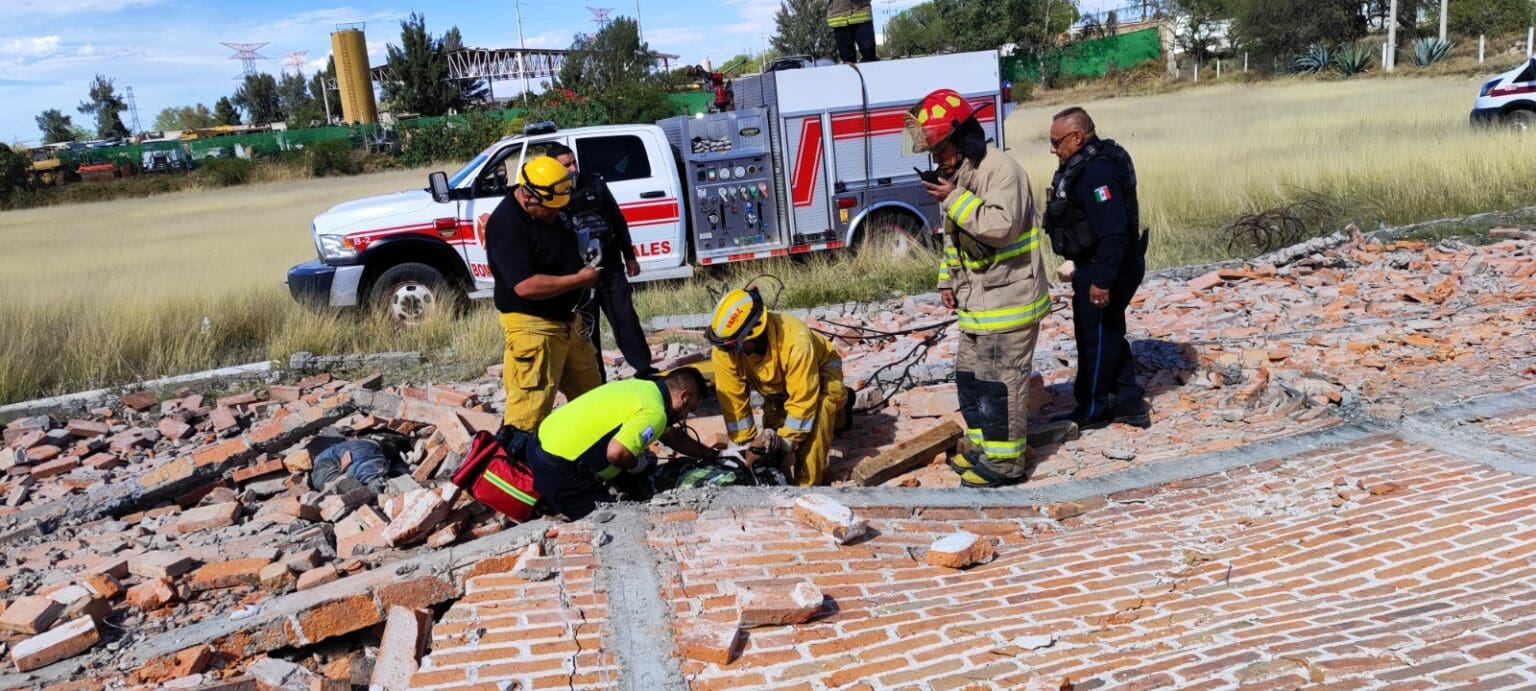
<point x="791" y="368"/>
<point x="992" y="258"/>
<point x="841" y="13"/>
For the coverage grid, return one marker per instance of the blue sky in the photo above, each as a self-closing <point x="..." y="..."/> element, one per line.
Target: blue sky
<point x="169" y="52"/>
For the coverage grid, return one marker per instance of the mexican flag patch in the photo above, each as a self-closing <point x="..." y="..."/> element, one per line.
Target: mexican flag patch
<point x="1102" y="194"/>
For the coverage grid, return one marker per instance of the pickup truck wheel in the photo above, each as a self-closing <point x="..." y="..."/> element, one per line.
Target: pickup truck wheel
<point x="409" y="292"/>
<point x="897" y="233"/>
<point x="1523" y="119"/>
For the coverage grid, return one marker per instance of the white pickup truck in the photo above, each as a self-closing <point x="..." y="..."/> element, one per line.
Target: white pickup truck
<point x="803" y="160"/>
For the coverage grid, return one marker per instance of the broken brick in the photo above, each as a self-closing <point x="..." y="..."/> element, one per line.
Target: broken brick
<point x="160" y="565"/>
<point x="424" y="509"/>
<point x="317" y="577"/>
<point x="774" y="605"/>
<point x="152" y="594"/>
<point x="30" y="614"/>
<point x="44" y="649"/>
<point x="826" y="515"/>
<point x="140" y="401"/>
<point x="399" y="648"/>
<point x="206" y="517"/>
<point x="229" y="574"/>
<point x="708" y="641"/>
<point x="959" y="550"/>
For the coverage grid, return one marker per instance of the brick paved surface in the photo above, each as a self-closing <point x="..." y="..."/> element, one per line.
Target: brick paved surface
<point x="1521" y="425"/>
<point x="1375" y="564"/>
<point x="536" y="634"/>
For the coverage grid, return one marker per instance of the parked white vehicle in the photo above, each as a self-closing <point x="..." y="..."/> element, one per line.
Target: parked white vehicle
<point x="1508" y="99"/>
<point x="804" y="160"/>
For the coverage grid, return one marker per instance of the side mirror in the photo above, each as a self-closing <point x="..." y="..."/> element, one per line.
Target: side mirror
<point x="437" y="183"/>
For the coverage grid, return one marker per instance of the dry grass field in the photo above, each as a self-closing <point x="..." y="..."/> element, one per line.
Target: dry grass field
<point x="112" y="292"/>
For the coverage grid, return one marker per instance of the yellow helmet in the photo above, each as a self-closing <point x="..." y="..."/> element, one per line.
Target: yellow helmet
<point x="547" y="180"/>
<point x="738" y="319"/>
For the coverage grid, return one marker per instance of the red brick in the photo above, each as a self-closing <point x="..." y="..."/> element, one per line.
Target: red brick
<point x="773" y="604"/>
<point x="267" y="467"/>
<point x="220" y="452"/>
<point x="152" y="595"/>
<point x="337" y="617"/>
<point x="223" y="419"/>
<point x="826" y="515"/>
<point x="140" y="401"/>
<point x="424" y="509"/>
<point x="65" y="641"/>
<point x="317" y="576"/>
<point x="399" y="648"/>
<point x="30" y="614"/>
<point x="418" y="593"/>
<point x="54" y="467"/>
<point x="959" y="550"/>
<point x="87" y="429"/>
<point x="229" y="574"/>
<point x="206" y="517"/>
<point x="708" y="641"/>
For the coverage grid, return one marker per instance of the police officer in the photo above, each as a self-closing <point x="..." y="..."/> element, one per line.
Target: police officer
<point x="598" y="219"/>
<point x="1093" y="219"/>
<point x="595" y="439"/>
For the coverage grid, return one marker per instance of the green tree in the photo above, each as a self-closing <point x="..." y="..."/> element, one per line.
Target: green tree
<point x="419" y="72"/>
<point x="1281" y="29"/>
<point x="106" y="105"/>
<point x="993" y="23"/>
<point x="475" y="91"/>
<point x="184" y="118"/>
<point x="224" y="112"/>
<point x="318" y="90"/>
<point x="1473" y="17"/>
<point x="801" y="29"/>
<point x="917" y="30"/>
<point x="299" y="108"/>
<point x="56" y="127"/>
<point x="13" y="174"/>
<point x="257" y="96"/>
<point x="609" y="57"/>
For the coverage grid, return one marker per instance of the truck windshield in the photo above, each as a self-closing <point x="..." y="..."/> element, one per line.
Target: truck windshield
<point x="469" y="168"/>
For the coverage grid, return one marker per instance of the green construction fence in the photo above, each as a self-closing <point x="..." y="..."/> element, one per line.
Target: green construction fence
<point x="1092" y="58"/>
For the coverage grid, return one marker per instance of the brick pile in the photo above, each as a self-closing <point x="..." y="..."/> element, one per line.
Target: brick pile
<point x="189" y="510"/>
<point x="167" y="511"/>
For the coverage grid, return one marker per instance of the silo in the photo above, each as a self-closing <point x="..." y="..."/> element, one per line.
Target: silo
<point x="353" y="80"/>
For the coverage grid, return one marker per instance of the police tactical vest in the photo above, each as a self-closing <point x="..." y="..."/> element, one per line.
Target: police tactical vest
<point x="585" y="215"/>
<point x="1066" y="220"/>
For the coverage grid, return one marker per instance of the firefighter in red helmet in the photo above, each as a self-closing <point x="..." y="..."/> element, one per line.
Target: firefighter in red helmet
<point x="993" y="276"/>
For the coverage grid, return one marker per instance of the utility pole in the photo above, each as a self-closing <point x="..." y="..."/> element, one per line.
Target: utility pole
<point x="639" y="35"/>
<point x="522" y="47"/>
<point x="1390" y="59"/>
<point x="1443" y="4"/>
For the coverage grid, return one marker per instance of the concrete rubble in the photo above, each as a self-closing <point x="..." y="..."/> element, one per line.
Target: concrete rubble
<point x="168" y="511"/>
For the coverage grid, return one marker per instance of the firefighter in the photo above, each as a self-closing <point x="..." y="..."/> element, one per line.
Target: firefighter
<point x="599" y="436"/>
<point x="992" y="275"/>
<point x="1093" y="219"/>
<point x="597" y="219"/>
<point x="540" y="282"/>
<point x="798" y="374"/>
<point x="853" y="23"/>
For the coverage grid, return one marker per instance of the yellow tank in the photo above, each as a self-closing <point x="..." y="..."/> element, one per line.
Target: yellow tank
<point x="353" y="79"/>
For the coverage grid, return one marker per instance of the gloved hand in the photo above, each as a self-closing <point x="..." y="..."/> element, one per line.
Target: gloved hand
<point x="643" y="463"/>
<point x="770" y="442"/>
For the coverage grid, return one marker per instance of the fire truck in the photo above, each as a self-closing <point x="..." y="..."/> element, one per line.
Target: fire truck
<point x="797" y="161"/>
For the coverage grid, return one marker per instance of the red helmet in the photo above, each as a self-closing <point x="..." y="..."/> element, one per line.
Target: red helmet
<point x="936" y="117"/>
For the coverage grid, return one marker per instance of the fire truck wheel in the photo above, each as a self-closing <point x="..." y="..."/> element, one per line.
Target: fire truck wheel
<point x="1522" y="119"/>
<point x="896" y="232"/>
<point x="410" y="291"/>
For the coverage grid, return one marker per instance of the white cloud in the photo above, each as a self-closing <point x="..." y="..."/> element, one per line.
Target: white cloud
<point x="23" y="9"/>
<point x="22" y="50"/>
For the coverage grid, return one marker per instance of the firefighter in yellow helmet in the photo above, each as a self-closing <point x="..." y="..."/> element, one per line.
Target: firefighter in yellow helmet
<point x="540" y="282"/>
<point x="993" y="276"/>
<point x="798" y="374"/>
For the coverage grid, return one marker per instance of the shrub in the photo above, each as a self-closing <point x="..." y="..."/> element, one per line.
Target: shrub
<point x="1430" y="50"/>
<point x="450" y="138"/>
<point x="225" y="172"/>
<point x="1352" y="60"/>
<point x="333" y="157"/>
<point x="1316" y="59"/>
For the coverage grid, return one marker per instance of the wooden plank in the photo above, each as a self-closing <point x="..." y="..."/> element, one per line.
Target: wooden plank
<point x="907" y="455"/>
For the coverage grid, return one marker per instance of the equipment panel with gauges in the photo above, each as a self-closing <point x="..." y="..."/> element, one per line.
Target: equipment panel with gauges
<point x="728" y="168"/>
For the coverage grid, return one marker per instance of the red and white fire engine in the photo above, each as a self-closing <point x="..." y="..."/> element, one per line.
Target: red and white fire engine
<point x="802" y="160"/>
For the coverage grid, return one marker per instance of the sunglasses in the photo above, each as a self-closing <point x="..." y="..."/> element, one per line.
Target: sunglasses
<point x="1056" y="141"/>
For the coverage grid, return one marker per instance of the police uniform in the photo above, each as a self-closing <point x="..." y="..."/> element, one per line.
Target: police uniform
<point x="600" y="224"/>
<point x="569" y="455"/>
<point x="1094" y="219"/>
<point x="545" y="346"/>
